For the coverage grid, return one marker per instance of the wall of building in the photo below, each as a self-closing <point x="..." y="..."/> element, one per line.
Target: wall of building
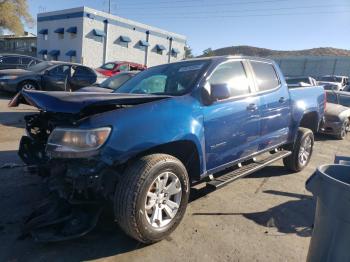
<point x="54" y="41"/>
<point x="94" y="50"/>
<point x="314" y="66"/>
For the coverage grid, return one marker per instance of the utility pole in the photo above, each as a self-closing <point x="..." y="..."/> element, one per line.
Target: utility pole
<point x="109" y="6"/>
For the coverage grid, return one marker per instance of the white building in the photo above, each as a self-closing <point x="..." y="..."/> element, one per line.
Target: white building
<point x="92" y="37"/>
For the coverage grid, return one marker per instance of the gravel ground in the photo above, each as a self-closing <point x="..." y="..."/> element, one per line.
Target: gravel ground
<point x="265" y="217"/>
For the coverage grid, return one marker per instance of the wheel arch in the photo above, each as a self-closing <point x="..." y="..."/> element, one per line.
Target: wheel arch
<point x="184" y="150"/>
<point x="310" y="120"/>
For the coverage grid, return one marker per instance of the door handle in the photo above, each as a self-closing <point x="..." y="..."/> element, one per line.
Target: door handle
<point x="252" y="107"/>
<point x="282" y="100"/>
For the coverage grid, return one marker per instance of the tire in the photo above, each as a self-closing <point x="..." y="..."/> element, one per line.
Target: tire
<point x="139" y="186"/>
<point x="301" y="152"/>
<point x="28" y="85"/>
<point x="344" y="130"/>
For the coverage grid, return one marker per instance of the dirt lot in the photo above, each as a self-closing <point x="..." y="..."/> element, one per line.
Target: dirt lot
<point x="264" y="217"/>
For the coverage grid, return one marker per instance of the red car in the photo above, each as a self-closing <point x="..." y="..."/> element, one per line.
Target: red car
<point x="114" y="68"/>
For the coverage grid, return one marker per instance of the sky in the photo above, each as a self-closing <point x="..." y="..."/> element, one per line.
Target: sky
<point x="274" y="24"/>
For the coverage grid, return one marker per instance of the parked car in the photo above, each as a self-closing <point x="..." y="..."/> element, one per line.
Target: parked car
<point x="114" y="68"/>
<point x="13" y="61"/>
<point x="110" y="84"/>
<point x="170" y="126"/>
<point x="339" y="97"/>
<point x="336" y="121"/>
<point x="332" y="82"/>
<point x="301" y="81"/>
<point x="50" y="76"/>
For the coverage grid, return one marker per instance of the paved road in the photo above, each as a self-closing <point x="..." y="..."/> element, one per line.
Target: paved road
<point x="264" y="217"/>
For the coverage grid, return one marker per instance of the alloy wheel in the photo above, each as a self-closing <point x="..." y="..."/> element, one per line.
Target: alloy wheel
<point x="305" y="151"/>
<point x="163" y="199"/>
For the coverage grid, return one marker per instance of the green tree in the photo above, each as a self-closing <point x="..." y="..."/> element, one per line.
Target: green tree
<point x="208" y="52"/>
<point x="14" y="15"/>
<point x="188" y="52"/>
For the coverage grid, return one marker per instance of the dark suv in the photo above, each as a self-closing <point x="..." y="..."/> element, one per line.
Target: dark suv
<point x="13" y="61"/>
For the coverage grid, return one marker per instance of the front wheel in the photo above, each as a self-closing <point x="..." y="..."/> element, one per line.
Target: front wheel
<point x="301" y="152"/>
<point x="151" y="197"/>
<point x="28" y="86"/>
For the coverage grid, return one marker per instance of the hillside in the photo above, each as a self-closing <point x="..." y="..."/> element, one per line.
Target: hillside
<point x="263" y="52"/>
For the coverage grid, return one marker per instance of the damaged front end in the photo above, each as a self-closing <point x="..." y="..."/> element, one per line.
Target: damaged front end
<point x="79" y="183"/>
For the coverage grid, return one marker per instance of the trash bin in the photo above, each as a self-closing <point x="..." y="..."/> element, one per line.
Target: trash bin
<point x="330" y="241"/>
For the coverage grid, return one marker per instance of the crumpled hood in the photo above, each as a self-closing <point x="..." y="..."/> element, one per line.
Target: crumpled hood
<point x="95" y="89"/>
<point x="75" y="102"/>
<point x="335" y="109"/>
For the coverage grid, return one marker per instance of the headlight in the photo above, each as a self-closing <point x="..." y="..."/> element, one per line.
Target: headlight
<point x="77" y="140"/>
<point x="7" y="77"/>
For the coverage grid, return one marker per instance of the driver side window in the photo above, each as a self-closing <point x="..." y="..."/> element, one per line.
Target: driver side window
<point x="60" y="70"/>
<point x="233" y="75"/>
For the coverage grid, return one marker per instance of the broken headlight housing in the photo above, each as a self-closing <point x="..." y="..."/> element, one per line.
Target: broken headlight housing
<point x="73" y="140"/>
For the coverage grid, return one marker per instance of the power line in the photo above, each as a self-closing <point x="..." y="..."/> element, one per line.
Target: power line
<point x="247" y="10"/>
<point x="258" y="15"/>
<point x="206" y="5"/>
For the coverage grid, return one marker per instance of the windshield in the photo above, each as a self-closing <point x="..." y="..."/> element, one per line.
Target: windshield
<point x="169" y="79"/>
<point x="292" y="81"/>
<point x="116" y="81"/>
<point x="331" y="79"/>
<point x="40" y="67"/>
<point x="108" y="66"/>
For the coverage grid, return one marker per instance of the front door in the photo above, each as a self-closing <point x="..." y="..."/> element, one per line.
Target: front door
<point x="232" y="125"/>
<point x="56" y="78"/>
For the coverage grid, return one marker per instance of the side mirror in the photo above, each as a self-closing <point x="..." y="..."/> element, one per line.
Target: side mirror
<point x="219" y="92"/>
<point x="46" y="72"/>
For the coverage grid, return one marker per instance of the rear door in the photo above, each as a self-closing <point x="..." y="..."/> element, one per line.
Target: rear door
<point x="81" y="77"/>
<point x="232" y="126"/>
<point x="275" y="105"/>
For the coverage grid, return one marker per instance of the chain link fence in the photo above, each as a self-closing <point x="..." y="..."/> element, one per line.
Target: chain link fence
<point x="314" y="66"/>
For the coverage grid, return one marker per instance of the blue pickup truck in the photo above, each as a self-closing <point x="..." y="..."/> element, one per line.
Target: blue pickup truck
<point x="141" y="148"/>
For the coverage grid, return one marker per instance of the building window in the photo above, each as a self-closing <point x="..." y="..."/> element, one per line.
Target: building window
<point x="159" y="49"/>
<point x="98" y="35"/>
<point x="72" y="31"/>
<point x="124" y="41"/>
<point x="175" y="52"/>
<point x="60" y="32"/>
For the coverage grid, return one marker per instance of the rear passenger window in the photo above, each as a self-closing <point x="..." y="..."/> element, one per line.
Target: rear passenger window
<point x="265" y="75"/>
<point x="233" y="75"/>
<point x="12" y="60"/>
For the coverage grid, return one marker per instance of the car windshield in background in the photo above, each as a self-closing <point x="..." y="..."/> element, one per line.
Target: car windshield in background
<point x="116" y="81"/>
<point x="40" y="67"/>
<point x="292" y="81"/>
<point x="330" y="79"/>
<point x="170" y="79"/>
<point x="108" y="66"/>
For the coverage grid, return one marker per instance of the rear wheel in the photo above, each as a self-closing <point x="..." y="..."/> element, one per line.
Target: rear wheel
<point x="301" y="152"/>
<point x="344" y="130"/>
<point x="151" y="198"/>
